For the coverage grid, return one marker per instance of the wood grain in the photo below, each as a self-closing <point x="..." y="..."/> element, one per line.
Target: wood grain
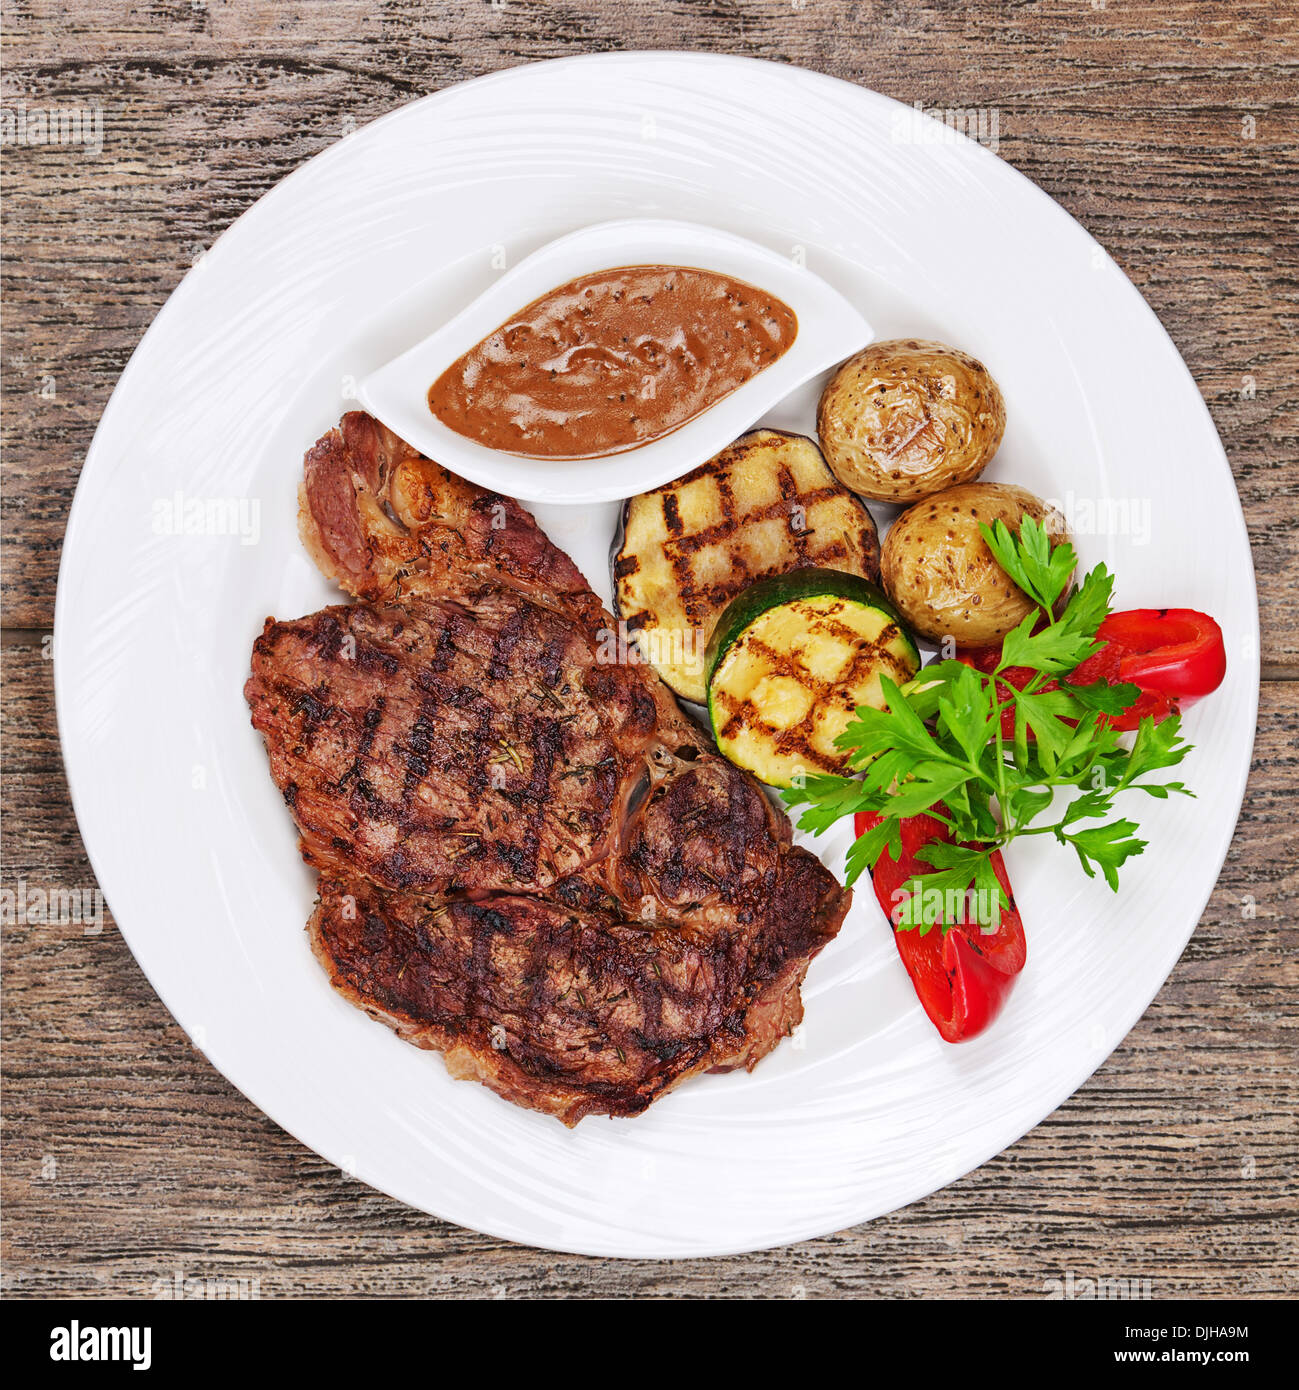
<point x="1168" y="129"/>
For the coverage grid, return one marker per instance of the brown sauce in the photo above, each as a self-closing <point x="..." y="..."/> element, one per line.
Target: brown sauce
<point x="612" y="361"/>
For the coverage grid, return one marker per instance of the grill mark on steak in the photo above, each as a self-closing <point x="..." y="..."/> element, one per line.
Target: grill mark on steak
<point x="582" y="1011"/>
<point x="530" y="860"/>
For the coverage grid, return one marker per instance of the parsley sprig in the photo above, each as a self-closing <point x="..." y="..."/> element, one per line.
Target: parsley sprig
<point x="939" y="746"/>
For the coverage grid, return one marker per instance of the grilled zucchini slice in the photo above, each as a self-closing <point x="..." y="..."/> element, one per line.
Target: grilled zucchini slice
<point x="791" y="659"/>
<point x="766" y="505"/>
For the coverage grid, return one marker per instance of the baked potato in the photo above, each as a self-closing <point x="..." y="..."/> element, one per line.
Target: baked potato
<point x="765" y="505"/>
<point x="943" y="578"/>
<point x="905" y="418"/>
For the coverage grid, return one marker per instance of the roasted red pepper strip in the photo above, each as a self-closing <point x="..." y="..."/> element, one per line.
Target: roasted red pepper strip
<point x="1167" y="651"/>
<point x="1107" y="665"/>
<point x="1103" y="666"/>
<point x="962" y="975"/>
<point x="1172" y="654"/>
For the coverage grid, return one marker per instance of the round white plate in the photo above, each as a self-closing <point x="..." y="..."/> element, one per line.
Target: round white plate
<point x="182" y="540"/>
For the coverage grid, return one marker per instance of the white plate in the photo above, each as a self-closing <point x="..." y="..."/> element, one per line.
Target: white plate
<point x="829" y="329"/>
<point x="343" y="265"/>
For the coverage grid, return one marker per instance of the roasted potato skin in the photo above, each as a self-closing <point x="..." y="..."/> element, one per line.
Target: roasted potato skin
<point x="905" y="418"/>
<point x="943" y="578"/>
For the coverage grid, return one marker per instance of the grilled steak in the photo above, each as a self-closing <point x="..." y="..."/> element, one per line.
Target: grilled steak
<point x="529" y="859"/>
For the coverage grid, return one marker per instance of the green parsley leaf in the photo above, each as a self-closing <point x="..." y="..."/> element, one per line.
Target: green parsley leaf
<point x="1106" y="847"/>
<point x="938" y="747"/>
<point x="1102" y="696"/>
<point x="1041" y="570"/>
<point x="865" y="850"/>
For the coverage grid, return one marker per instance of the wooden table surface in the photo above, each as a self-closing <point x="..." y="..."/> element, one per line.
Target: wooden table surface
<point x="1168" y="128"/>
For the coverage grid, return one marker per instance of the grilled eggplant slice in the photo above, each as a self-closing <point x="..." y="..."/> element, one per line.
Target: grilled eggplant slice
<point x="791" y="660"/>
<point x="766" y="505"/>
